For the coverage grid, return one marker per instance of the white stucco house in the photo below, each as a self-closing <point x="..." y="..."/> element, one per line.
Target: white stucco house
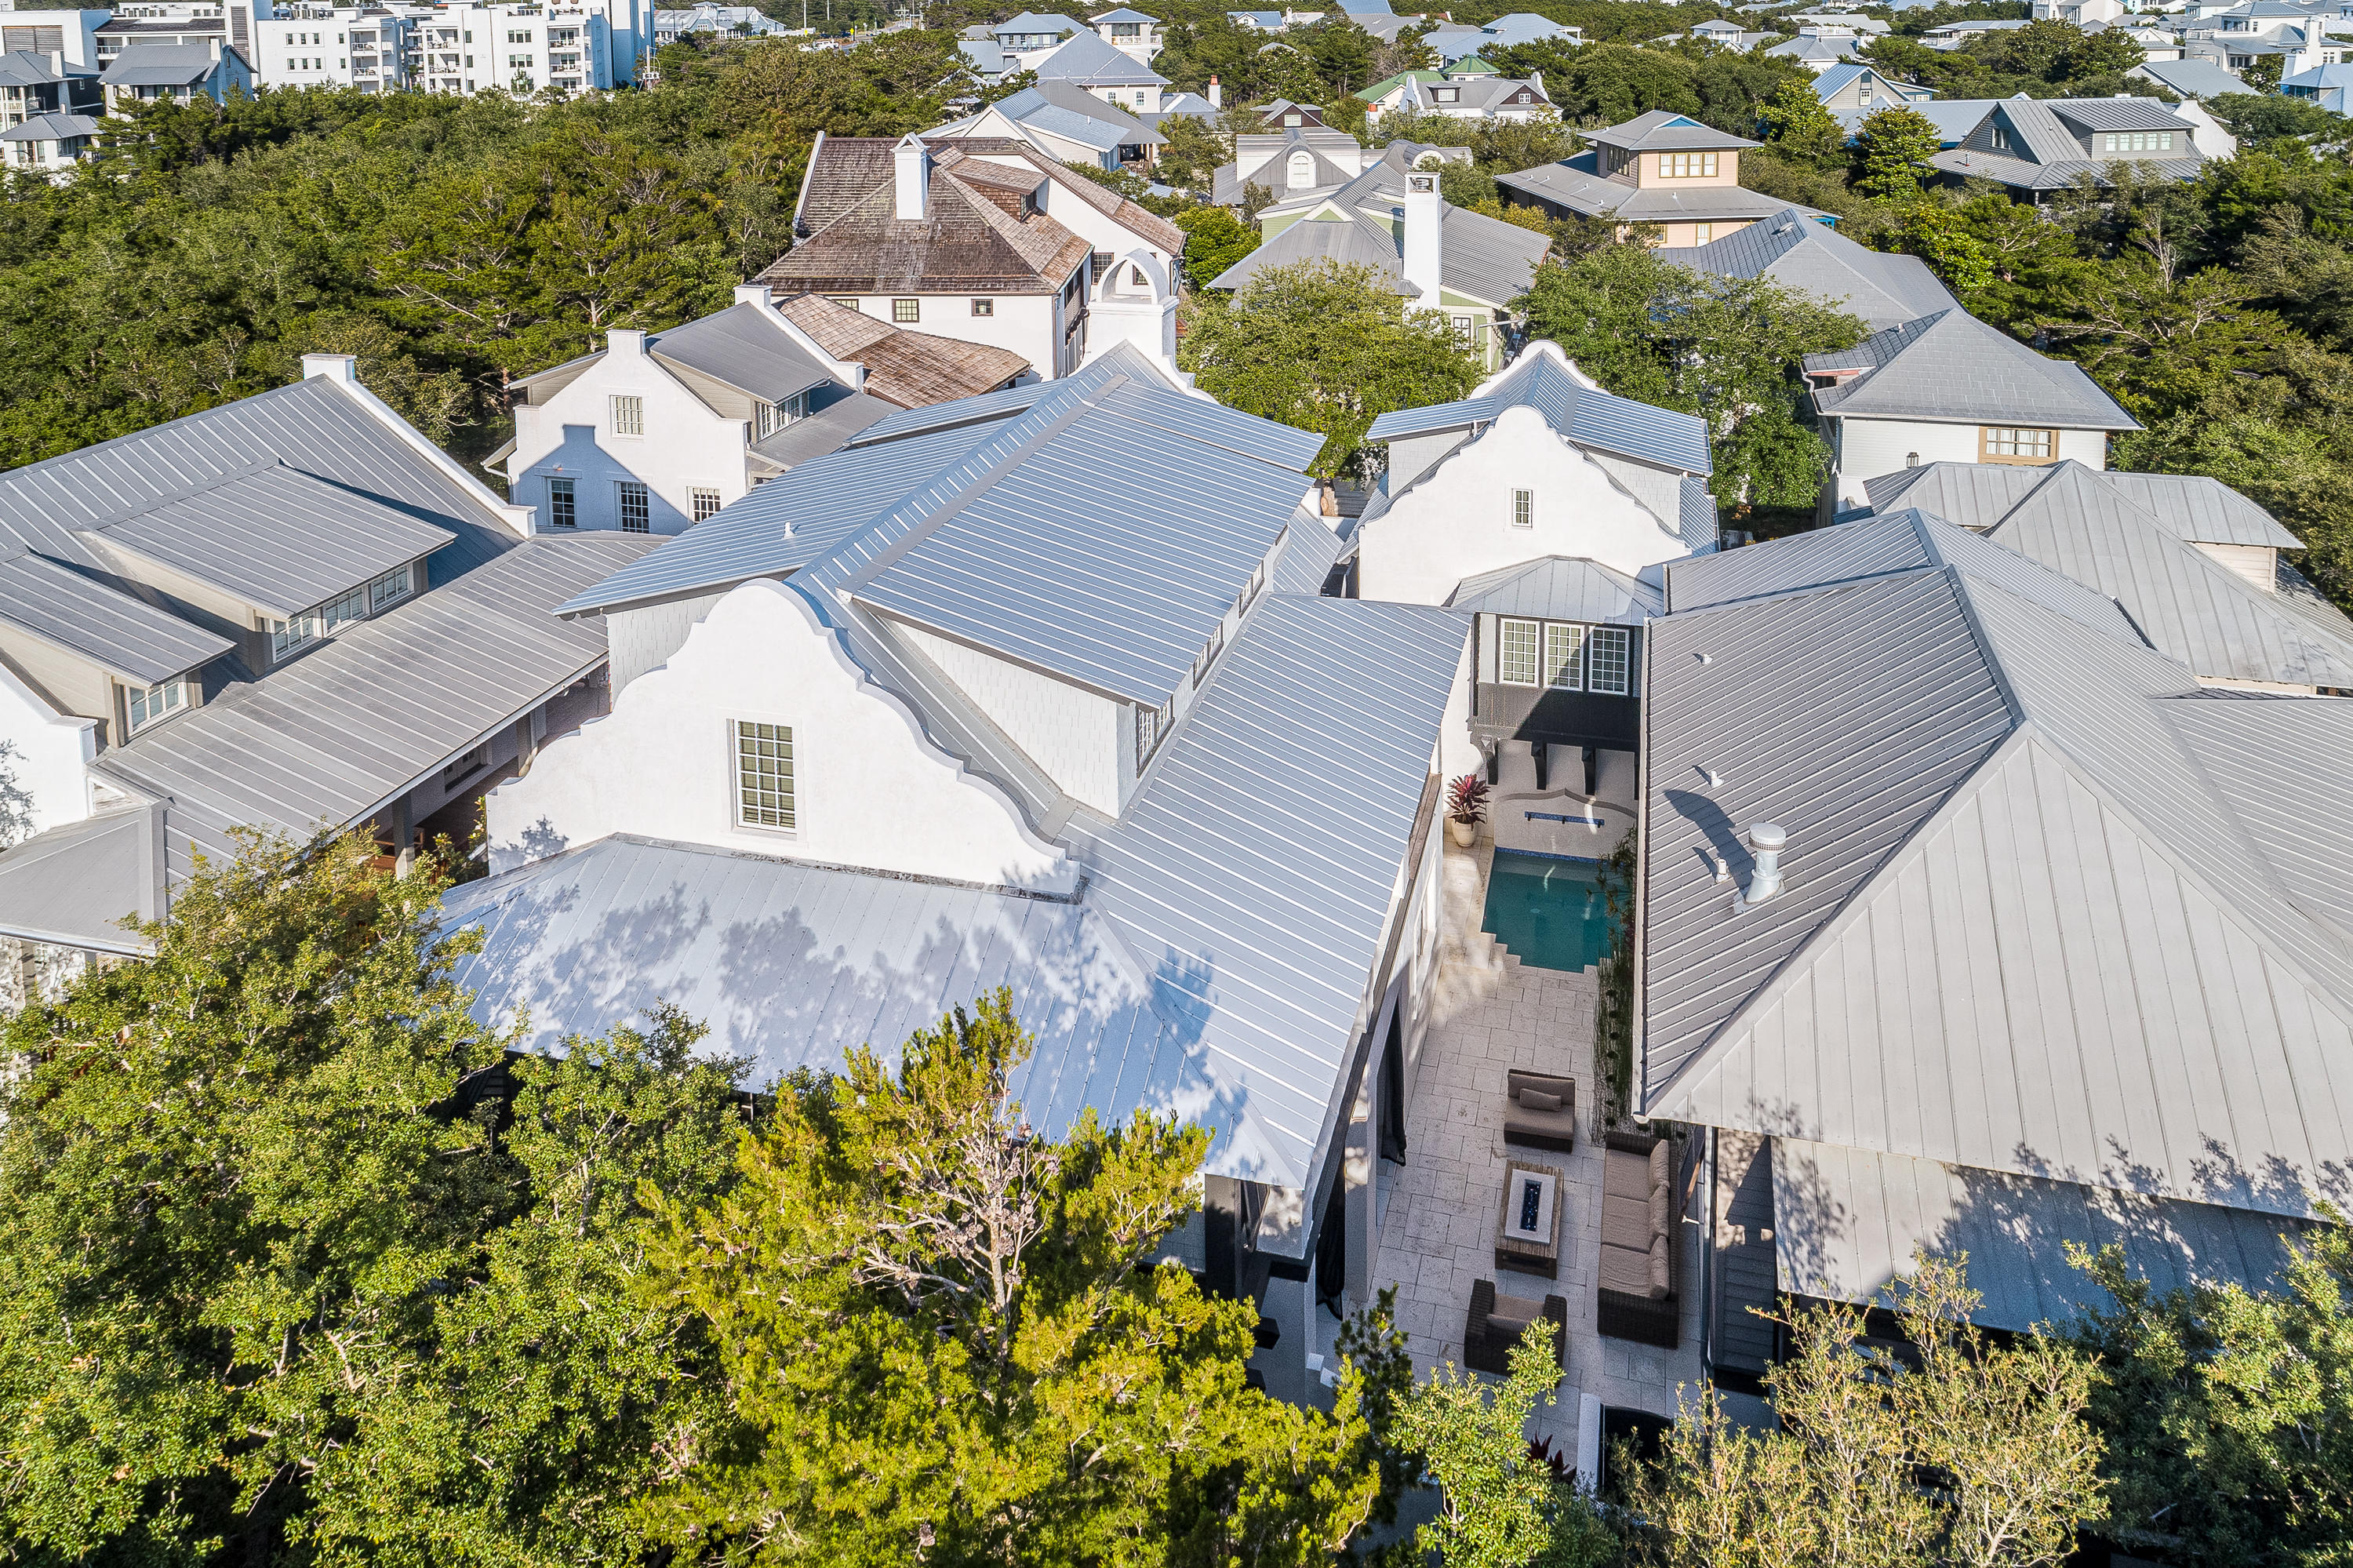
<point x="852" y="777"/>
<point x="657" y="432"/>
<point x="1949" y="389"/>
<point x="1544" y="508"/>
<point x="985" y="240"/>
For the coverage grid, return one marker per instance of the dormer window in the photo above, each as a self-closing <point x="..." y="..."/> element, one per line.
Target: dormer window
<point x="1151" y="728"/>
<point x="1446" y="94"/>
<point x="2001" y="140"/>
<point x="2136" y="142"/>
<point x="156" y="703"/>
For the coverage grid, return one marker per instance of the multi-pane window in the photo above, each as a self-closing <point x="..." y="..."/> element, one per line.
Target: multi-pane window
<point x="906" y="310"/>
<point x="286" y="636"/>
<point x="563" y="504"/>
<point x="2136" y="142"/>
<point x="1523" y="509"/>
<point x="1687" y="165"/>
<point x="628" y="415"/>
<point x="1151" y="726"/>
<point x="763" y="774"/>
<point x="1702" y="233"/>
<point x="390" y="589"/>
<point x="461" y="768"/>
<point x="636" y="508"/>
<point x="148" y="706"/>
<point x="706" y="504"/>
<point x="2016" y="443"/>
<point x="1516" y="653"/>
<point x="353" y="606"/>
<point x="1564" y="656"/>
<point x="984" y="307"/>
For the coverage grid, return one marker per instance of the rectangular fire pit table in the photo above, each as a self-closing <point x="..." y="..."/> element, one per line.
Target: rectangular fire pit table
<point x="1527" y="1229"/>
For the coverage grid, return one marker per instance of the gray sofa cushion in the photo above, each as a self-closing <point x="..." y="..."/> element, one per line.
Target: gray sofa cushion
<point x="1661" y="1273"/>
<point x="1535" y="1100"/>
<point x="1626" y="1270"/>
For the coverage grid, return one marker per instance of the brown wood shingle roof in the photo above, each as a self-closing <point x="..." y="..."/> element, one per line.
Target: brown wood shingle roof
<point x="913" y="369"/>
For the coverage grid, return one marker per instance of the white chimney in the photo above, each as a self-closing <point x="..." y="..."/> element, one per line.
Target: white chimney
<point x="1217" y="94"/>
<point x="626" y="343"/>
<point x="1766" y="840"/>
<point x="341" y="367"/>
<point x="753" y="295"/>
<point x="1421" y="247"/>
<point x="915" y="180"/>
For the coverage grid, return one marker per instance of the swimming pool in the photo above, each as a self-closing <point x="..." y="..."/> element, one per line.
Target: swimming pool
<point x="1549" y="912"/>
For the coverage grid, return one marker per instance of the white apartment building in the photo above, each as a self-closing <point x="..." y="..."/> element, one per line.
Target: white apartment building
<point x="522" y="47"/>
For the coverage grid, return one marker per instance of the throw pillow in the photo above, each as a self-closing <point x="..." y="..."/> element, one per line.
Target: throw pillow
<point x="1536" y="1099"/>
<point x="1659" y="1174"/>
<point x="1662" y="1211"/>
<point x="1659" y="1273"/>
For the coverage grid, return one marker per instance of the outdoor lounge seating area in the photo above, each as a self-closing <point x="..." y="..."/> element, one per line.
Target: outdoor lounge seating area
<point x="1637" y="1296"/>
<point x="1543" y="1110"/>
<point x="1497" y="1321"/>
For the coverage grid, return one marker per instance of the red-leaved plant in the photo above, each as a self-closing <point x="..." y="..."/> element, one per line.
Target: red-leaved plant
<point x="1466" y="799"/>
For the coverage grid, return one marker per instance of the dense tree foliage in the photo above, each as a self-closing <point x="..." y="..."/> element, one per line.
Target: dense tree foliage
<point x="1326" y="348"/>
<point x="290" y="1263"/>
<point x="944" y="1342"/>
<point x="2228" y="1414"/>
<point x="2048" y="58"/>
<point x="1723" y="348"/>
<point x="450" y="243"/>
<point x="1997" y="1435"/>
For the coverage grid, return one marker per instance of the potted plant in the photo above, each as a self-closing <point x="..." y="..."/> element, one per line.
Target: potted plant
<point x="1466" y="807"/>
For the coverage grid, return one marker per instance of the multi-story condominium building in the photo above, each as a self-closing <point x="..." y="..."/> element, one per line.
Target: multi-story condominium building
<point x="341" y="45"/>
<point x="70" y="34"/>
<point x="46" y="109"/>
<point x="574" y="46"/>
<point x="177" y="73"/>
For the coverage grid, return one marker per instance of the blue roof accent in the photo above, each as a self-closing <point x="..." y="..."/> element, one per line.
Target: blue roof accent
<point x="1578" y="413"/>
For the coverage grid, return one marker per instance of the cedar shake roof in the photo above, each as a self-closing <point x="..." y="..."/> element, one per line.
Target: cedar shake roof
<point x="1144" y="224"/>
<point x="980" y="236"/>
<point x="913" y="369"/>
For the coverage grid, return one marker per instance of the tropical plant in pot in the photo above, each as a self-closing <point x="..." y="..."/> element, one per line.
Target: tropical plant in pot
<point x="1466" y="807"/>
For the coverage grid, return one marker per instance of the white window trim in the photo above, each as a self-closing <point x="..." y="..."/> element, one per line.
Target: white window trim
<point x="632" y="404"/>
<point x="730" y="736"/>
<point x="1505" y="626"/>
<point x="1623" y="641"/>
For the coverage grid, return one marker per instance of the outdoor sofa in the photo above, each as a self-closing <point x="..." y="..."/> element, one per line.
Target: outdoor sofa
<point x="1638" y="1299"/>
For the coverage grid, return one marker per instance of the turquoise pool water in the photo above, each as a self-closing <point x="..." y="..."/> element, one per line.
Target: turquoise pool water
<point x="1549" y="912"/>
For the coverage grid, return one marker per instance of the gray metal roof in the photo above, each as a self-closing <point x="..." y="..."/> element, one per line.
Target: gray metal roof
<point x="50" y="128"/>
<point x="2187" y="604"/>
<point x="1906" y="541"/>
<point x="160" y="65"/>
<point x="2060" y="174"/>
<point x="1979" y="495"/>
<point x="74" y="884"/>
<point x="2191" y="79"/>
<point x="277" y="538"/>
<point x="1217" y="967"/>
<point x="1795" y="251"/>
<point x="314" y="426"/>
<point x="823" y="431"/>
<point x="126" y="635"/>
<point x="1664" y="129"/>
<point x="2091" y="115"/>
<point x="1951" y="366"/>
<point x="1479" y="258"/>
<point x="907" y="475"/>
<point x="2022" y="929"/>
<point x="1559" y="587"/>
<point x="1846" y="1222"/>
<point x="333" y="735"/>
<point x="1573" y="183"/>
<point x="1576" y="411"/>
<point x="1695" y="515"/>
<point x="743" y="347"/>
<point x="1087" y="59"/>
<point x="2282" y="763"/>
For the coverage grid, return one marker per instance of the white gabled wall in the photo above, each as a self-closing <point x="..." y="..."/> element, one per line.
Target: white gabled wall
<point x="53" y="752"/>
<point x="686" y="446"/>
<point x="1866" y="449"/>
<point x="1456" y="521"/>
<point x="870" y="790"/>
<point x="1072" y="735"/>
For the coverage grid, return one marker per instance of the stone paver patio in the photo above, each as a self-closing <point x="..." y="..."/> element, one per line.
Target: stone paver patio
<point x="1439" y="1211"/>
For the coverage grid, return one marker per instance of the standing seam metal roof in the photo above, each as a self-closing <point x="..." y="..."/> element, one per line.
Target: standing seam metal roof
<point x="1951" y="366"/>
<point x="127" y="636"/>
<point x="1584" y="414"/>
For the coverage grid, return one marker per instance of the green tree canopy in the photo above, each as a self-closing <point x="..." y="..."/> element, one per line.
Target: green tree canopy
<point x="1213" y="240"/>
<point x="1892" y="149"/>
<point x="944" y="1341"/>
<point x="1800" y="125"/>
<point x="1325" y="347"/>
<point x="283" y="1275"/>
<point x="1727" y="349"/>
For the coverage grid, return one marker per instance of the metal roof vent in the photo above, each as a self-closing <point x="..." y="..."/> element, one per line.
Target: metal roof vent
<point x="1766" y="840"/>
